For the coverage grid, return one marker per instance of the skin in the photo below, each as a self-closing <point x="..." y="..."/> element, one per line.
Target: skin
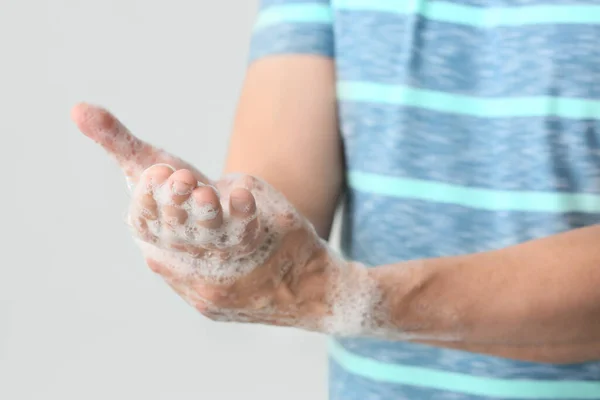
<point x="537" y="301"/>
<point x="275" y="294"/>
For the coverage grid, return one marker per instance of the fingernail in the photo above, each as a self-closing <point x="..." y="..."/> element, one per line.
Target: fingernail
<point x="240" y="204"/>
<point x="181" y="188"/>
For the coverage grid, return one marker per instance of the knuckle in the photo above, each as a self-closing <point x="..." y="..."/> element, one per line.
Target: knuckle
<point x="212" y="295"/>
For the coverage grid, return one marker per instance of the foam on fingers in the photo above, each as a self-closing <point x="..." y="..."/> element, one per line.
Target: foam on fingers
<point x="182" y="184"/>
<point x="203" y="237"/>
<point x="206" y="207"/>
<point x="209" y="220"/>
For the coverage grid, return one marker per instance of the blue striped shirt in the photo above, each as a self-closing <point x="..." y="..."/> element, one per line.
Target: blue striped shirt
<point x="468" y="125"/>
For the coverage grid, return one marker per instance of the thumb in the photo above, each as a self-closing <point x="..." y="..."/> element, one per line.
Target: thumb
<point x="131" y="153"/>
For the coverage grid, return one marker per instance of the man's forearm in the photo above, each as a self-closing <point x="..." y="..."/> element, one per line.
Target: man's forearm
<point x="286" y="133"/>
<point x="537" y="301"/>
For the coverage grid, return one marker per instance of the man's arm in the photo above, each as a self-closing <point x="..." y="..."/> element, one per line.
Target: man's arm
<point x="285" y="132"/>
<point x="537" y="301"/>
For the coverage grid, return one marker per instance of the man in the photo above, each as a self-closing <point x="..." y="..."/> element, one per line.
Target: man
<point x="467" y="137"/>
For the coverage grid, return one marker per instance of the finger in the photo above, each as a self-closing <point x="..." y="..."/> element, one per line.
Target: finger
<point x="242" y="207"/>
<point x="182" y="183"/>
<point x="207" y="213"/>
<point x="144" y="200"/>
<point x="143" y="207"/>
<point x="180" y="186"/>
<point x="132" y="154"/>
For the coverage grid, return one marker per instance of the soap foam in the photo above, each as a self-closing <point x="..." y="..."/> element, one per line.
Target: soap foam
<point x="228" y="237"/>
<point x="352" y="296"/>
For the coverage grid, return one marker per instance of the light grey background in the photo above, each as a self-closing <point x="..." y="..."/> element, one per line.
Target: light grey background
<point x="80" y="315"/>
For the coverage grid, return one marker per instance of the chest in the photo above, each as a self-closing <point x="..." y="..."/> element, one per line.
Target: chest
<point x="495" y="48"/>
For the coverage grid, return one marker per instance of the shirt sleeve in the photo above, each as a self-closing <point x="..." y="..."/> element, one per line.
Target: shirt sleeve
<point x="292" y="27"/>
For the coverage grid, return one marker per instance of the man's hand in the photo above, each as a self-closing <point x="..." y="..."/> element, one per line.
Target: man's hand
<point x="235" y="249"/>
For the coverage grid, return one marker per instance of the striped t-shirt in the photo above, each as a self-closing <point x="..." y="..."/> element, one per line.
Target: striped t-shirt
<point x="468" y="125"/>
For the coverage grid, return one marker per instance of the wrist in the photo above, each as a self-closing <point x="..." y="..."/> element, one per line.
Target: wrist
<point x="352" y="298"/>
<point x="419" y="299"/>
<point x="401" y="313"/>
<point x="396" y="284"/>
